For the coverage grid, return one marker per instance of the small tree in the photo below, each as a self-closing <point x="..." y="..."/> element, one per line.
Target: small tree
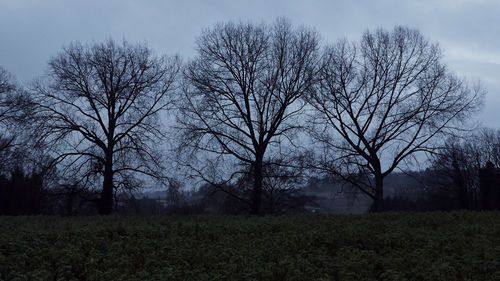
<point x="282" y="184"/>
<point x="98" y="112"/>
<point x="455" y="174"/>
<point x="174" y="193"/>
<point x="387" y="98"/>
<point x="242" y="97"/>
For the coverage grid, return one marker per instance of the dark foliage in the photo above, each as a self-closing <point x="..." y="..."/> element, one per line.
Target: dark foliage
<point x="21" y="194"/>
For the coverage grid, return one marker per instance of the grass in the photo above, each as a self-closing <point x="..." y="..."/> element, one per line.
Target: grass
<point x="391" y="246"/>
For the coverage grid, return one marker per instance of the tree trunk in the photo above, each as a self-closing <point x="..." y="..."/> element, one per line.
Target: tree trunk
<point x="379" y="193"/>
<point x="256" y="208"/>
<point x="378" y="199"/>
<point x="106" y="200"/>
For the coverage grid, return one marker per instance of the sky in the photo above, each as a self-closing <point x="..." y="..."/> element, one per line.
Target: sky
<point x="468" y="31"/>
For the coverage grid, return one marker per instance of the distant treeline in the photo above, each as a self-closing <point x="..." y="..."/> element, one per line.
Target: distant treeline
<point x="22" y="194"/>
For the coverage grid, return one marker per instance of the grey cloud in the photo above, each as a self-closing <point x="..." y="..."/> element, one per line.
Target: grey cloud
<point x="33" y="31"/>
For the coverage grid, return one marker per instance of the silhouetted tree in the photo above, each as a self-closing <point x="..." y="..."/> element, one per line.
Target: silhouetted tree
<point x="282" y="187"/>
<point x="487" y="142"/>
<point x="387" y="97"/>
<point x="15" y="113"/>
<point x="174" y="193"/>
<point x="454" y="175"/>
<point x="462" y="170"/>
<point x="98" y="113"/>
<point x="242" y="98"/>
<point x="14" y="105"/>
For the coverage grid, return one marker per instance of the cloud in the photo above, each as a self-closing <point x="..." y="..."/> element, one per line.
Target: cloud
<point x="478" y="55"/>
<point x="33" y="30"/>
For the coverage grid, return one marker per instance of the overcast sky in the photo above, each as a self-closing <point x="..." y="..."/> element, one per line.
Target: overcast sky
<point x="468" y="31"/>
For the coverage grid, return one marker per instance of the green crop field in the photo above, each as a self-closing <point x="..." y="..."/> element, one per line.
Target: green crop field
<point x="430" y="246"/>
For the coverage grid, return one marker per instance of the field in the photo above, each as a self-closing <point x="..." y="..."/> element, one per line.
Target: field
<point x="430" y="246"/>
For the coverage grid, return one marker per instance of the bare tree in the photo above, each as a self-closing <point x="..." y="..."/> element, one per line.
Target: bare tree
<point x="388" y="98"/>
<point x="15" y="112"/>
<point x="456" y="166"/>
<point x="99" y="110"/>
<point x="281" y="187"/>
<point x="242" y="97"/>
<point x="488" y="143"/>
<point x="9" y="108"/>
<point x="5" y="81"/>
